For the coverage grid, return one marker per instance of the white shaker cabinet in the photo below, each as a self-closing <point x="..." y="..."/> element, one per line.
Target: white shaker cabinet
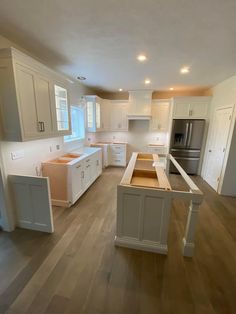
<point x="29" y="108"/>
<point x="105" y="115"/>
<point x="119" y="121"/>
<point x="160" y="112"/>
<point x="194" y="107"/>
<point x="117" y="155"/>
<point x="77" y="177"/>
<point x="70" y="178"/>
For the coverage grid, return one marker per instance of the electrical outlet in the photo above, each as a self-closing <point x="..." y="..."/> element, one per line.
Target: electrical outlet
<point x="158" y="138"/>
<point x="114" y="137"/>
<point x="18" y="154"/>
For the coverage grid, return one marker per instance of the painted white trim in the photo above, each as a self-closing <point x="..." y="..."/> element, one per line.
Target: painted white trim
<point x="143" y="246"/>
<point x="61" y="203"/>
<point x="188" y="248"/>
<point x="232" y="123"/>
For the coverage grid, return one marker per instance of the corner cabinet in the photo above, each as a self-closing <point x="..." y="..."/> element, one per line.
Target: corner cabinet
<point x="34" y="101"/>
<point x="195" y="107"/>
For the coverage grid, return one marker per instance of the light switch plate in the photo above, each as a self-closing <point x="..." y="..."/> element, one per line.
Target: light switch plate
<point x="18" y="154"/>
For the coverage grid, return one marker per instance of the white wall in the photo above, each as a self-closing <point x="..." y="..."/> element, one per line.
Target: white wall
<point x="224" y="94"/>
<point x="138" y="136"/>
<point x="34" y="151"/>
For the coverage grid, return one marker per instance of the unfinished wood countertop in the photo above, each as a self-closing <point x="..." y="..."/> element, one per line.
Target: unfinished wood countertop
<point x="142" y="172"/>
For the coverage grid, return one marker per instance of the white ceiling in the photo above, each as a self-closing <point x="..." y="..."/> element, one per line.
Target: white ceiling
<point x="100" y="39"/>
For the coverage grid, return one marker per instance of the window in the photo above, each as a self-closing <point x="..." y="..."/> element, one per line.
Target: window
<point x="61" y="108"/>
<point x="77" y="124"/>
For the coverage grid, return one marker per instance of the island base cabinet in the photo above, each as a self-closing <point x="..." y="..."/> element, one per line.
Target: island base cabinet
<point x="143" y="218"/>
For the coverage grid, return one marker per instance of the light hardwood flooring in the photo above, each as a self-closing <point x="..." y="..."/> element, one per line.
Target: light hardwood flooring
<point x="78" y="269"/>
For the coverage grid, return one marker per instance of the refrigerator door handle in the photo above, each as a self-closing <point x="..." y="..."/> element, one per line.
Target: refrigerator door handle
<point x="190" y="134"/>
<point x="186" y="138"/>
<point x="187" y="158"/>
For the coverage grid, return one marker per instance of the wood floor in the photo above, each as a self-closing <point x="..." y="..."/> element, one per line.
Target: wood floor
<point x="78" y="269"/>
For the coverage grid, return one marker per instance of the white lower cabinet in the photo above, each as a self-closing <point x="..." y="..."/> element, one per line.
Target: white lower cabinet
<point x="117" y="155"/>
<point x="68" y="181"/>
<point x="77" y="181"/>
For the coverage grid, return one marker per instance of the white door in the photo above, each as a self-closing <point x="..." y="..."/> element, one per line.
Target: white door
<point x="217" y="146"/>
<point x="32" y="202"/>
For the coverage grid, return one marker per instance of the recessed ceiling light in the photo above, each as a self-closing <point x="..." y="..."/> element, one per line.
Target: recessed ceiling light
<point x="147" y="81"/>
<point x="171" y="88"/>
<point x="81" y="78"/>
<point x="120" y="89"/>
<point x="184" y="70"/>
<point x="141" y="58"/>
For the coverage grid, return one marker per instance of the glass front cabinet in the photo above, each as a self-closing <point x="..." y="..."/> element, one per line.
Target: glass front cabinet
<point x="93" y="113"/>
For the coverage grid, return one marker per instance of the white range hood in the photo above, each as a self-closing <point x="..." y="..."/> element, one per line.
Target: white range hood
<point x="140" y="105"/>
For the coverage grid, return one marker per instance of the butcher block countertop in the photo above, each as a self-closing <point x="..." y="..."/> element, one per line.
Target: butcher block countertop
<point x="143" y="171"/>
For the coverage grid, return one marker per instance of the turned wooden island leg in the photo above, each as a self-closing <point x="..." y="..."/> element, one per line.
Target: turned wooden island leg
<point x="188" y="240"/>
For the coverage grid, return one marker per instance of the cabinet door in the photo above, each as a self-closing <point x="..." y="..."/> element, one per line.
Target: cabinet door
<point x="105" y="115"/>
<point x="119" y="117"/>
<point x="27" y="101"/>
<point x="63" y="126"/>
<point x="87" y="173"/>
<point x="181" y="110"/>
<point x="160" y="116"/>
<point x="198" y="110"/>
<point x="44" y="106"/>
<point x="77" y="181"/>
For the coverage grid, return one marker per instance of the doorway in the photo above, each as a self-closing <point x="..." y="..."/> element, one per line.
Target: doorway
<point x="217" y="146"/>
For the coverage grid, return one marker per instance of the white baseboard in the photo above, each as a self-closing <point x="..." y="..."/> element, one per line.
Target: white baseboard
<point x="188" y="248"/>
<point x="141" y="245"/>
<point x="60" y="203"/>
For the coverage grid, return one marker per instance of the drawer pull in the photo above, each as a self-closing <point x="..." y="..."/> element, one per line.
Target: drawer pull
<point x="78" y="166"/>
<point x="87" y="160"/>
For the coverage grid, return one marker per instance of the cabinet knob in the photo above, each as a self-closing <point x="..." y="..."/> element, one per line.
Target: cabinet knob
<point x="210" y="150"/>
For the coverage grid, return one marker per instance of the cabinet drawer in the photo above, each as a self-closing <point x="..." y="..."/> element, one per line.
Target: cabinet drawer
<point x="117" y="148"/>
<point x="118" y="162"/>
<point x="157" y="150"/>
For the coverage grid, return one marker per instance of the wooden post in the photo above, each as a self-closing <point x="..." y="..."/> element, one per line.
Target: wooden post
<point x="188" y="240"/>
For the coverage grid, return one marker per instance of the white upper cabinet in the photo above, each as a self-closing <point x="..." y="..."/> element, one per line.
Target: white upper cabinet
<point x="62" y="109"/>
<point x="160" y="115"/>
<point x="196" y="107"/>
<point x="93" y="113"/>
<point x="119" y="121"/>
<point x="105" y="115"/>
<point x="33" y="104"/>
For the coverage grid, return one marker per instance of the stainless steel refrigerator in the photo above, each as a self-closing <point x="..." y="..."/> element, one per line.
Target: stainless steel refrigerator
<point x="186" y="144"/>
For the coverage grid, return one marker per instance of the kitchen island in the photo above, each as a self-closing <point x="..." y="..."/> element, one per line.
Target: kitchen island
<point x="144" y="198"/>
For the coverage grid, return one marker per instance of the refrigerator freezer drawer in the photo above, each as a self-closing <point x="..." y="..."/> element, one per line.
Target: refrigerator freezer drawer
<point x="194" y="153"/>
<point x="190" y="165"/>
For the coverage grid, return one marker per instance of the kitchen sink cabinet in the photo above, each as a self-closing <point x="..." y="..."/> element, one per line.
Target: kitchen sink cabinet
<point x="77" y="177"/>
<point x="29" y="106"/>
<point x="71" y="177"/>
